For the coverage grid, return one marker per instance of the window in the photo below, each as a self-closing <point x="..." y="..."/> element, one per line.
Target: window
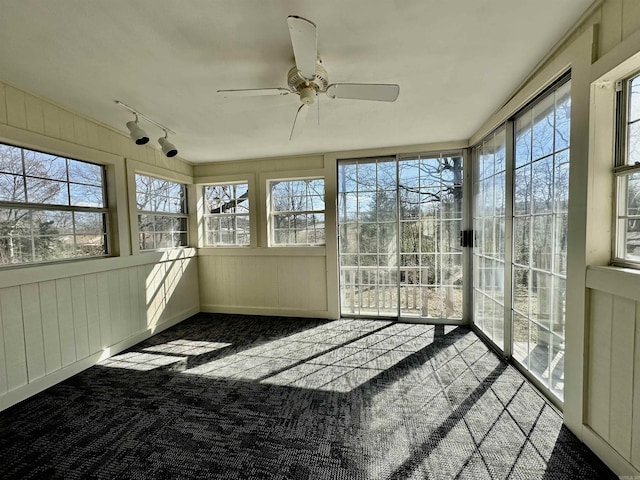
<point x="51" y="207"/>
<point x="162" y="213"/>
<point x="489" y="226"/>
<point x="627" y="245"/>
<point x="226" y="216"/>
<point x="297" y="212"/>
<point x="540" y="207"/>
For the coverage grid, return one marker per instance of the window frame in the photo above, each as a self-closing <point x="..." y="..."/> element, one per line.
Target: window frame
<point x="621" y="171"/>
<point x="271" y="213"/>
<point x="135" y="238"/>
<point x="206" y="216"/>
<point x="104" y="210"/>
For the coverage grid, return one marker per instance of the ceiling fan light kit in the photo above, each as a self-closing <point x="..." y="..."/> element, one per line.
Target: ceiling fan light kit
<point x="308" y="77"/>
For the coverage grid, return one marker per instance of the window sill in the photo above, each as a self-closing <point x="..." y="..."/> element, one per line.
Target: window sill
<point x="619" y="281"/>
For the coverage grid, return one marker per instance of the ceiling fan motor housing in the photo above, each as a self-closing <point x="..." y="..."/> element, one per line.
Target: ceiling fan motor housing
<point x="297" y="82"/>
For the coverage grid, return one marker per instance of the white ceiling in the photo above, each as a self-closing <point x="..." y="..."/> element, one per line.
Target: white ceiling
<point x="456" y="61"/>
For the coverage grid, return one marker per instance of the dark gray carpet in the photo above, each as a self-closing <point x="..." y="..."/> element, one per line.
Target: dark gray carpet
<point x="238" y="397"/>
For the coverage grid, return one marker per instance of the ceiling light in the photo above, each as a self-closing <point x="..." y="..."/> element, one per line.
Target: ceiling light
<point x="140" y="137"/>
<point x="136" y="133"/>
<point x="168" y="148"/>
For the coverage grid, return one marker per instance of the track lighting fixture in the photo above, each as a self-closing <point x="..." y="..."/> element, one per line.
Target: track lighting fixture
<point x="136" y="133"/>
<point x="140" y="137"/>
<point x="168" y="148"/>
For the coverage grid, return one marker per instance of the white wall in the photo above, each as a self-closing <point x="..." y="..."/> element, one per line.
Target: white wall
<point x="259" y="279"/>
<point x="613" y="383"/>
<point x="58" y="319"/>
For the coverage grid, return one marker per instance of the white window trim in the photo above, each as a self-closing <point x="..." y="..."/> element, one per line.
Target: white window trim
<point x="622" y="170"/>
<point x="265" y="181"/>
<point x="198" y="208"/>
<point x="132" y="168"/>
<point x="206" y="215"/>
<point x="116" y="235"/>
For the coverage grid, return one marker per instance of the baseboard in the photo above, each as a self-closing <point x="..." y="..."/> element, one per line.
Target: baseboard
<point x="608" y="454"/>
<point x="18" y="395"/>
<point x="269" y="311"/>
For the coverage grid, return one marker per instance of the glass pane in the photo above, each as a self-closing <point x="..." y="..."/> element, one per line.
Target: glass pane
<point x="500" y="150"/>
<point x="10" y="159"/>
<point x="542" y="240"/>
<point x="542" y="185"/>
<point x="521" y="240"/>
<point x="522" y="191"/>
<point x="146" y="223"/>
<point x="523" y="139"/>
<point x="543" y="128"/>
<point x="521" y="339"/>
<point x="366" y="176"/>
<point x="561" y="181"/>
<point x="83" y="172"/>
<point x="12" y="188"/>
<point x="43" y="165"/>
<point x="47" y="191"/>
<point x="145" y="241"/>
<point x="634" y="99"/>
<point x="347" y="177"/>
<point x="633" y="144"/>
<point x="347" y="206"/>
<point x="521" y="292"/>
<point x="86" y="196"/>
<point x="563" y="116"/>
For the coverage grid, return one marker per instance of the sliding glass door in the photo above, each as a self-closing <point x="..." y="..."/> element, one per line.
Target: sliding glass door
<point x="400" y="221"/>
<point x="489" y="227"/>
<point x="519" y="286"/>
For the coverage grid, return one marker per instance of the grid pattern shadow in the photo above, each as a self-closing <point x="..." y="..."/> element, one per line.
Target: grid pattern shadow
<point x="246" y="397"/>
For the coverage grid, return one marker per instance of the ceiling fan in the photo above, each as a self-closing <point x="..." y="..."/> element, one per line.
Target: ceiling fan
<point x="307" y="78"/>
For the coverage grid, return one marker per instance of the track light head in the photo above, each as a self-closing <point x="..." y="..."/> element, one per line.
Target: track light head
<point x="168" y="148"/>
<point x="137" y="134"/>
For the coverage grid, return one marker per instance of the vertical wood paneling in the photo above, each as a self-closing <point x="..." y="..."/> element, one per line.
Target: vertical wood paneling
<point x="133" y="292"/>
<point x="3" y="361"/>
<point x="117" y="325"/>
<point x="79" y="308"/>
<point x="66" y="126"/>
<point x="291" y="292"/>
<point x="125" y="303"/>
<point x="35" y="114"/>
<point x="104" y="139"/>
<point x="33" y="337"/>
<point x="611" y="34"/>
<point x="65" y="321"/>
<point x="93" y="137"/>
<point x="599" y="386"/>
<point x="93" y="313"/>
<point x="80" y="131"/>
<point x="3" y="104"/>
<point x="635" y="440"/>
<point x="11" y="308"/>
<point x="140" y="296"/>
<point x="51" y="120"/>
<point x="630" y="17"/>
<point x="104" y="308"/>
<point x="16" y="112"/>
<point x="50" y="329"/>
<point x="622" y="343"/>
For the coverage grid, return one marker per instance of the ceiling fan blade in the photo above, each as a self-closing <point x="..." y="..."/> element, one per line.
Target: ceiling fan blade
<point x="299" y="121"/>
<point x="305" y="45"/>
<point x="382" y="92"/>
<point x="253" y="92"/>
